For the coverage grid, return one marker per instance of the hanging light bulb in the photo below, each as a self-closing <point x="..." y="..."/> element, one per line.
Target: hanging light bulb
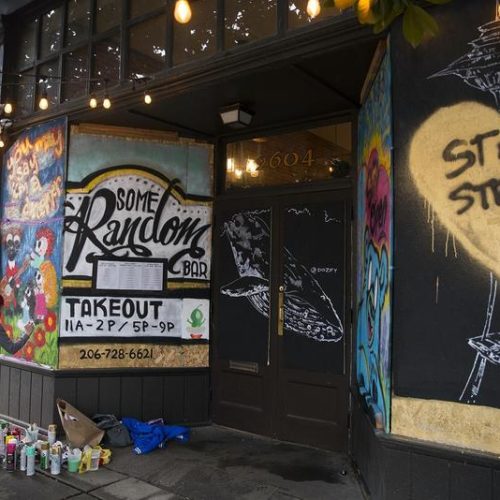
<point x="182" y="11"/>
<point x="238" y="173"/>
<point x="147" y="98"/>
<point x="230" y="166"/>
<point x="43" y="103"/>
<point x="313" y="8"/>
<point x="7" y="108"/>
<point x="106" y="102"/>
<point x="93" y="101"/>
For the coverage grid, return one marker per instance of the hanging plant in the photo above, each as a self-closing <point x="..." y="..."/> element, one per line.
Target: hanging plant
<point x="418" y="24"/>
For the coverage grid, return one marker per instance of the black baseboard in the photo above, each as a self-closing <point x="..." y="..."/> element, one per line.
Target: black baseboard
<point x="28" y="394"/>
<point x="394" y="468"/>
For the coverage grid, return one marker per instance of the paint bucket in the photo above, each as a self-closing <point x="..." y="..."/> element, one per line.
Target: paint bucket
<point x="73" y="463"/>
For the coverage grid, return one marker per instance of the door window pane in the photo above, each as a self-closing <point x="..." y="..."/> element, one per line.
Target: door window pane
<point x="249" y="20"/>
<point x="140" y="7"/>
<point x="198" y="37"/>
<point x="147" y="46"/>
<point x="108" y="14"/>
<point x="297" y="14"/>
<point x="26" y="45"/>
<point x="311" y="155"/>
<point x="106" y="62"/>
<point x="45" y="71"/>
<point x="75" y="74"/>
<point x="50" y="40"/>
<point x="77" y="27"/>
<point x="25" y="91"/>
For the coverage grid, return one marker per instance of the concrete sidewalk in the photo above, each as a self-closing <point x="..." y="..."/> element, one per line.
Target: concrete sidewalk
<point x="217" y="464"/>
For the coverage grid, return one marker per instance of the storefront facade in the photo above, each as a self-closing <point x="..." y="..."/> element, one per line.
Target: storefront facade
<point x="321" y="270"/>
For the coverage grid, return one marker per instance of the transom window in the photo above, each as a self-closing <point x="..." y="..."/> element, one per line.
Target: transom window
<point x="70" y="49"/>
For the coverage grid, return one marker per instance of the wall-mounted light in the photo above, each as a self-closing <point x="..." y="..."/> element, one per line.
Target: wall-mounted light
<point x="182" y="11"/>
<point x="313" y="8"/>
<point x="235" y="117"/>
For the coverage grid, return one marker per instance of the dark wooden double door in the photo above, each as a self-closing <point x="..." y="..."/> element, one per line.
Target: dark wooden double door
<point x="281" y="324"/>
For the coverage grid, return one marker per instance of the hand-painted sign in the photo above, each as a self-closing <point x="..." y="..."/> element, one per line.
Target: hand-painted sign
<point x="32" y="194"/>
<point x="102" y="316"/>
<point x="133" y="212"/>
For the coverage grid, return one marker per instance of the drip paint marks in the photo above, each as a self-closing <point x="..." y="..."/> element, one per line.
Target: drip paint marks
<point x="375" y="248"/>
<point x="32" y="219"/>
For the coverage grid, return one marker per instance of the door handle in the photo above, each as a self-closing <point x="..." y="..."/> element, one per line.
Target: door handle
<point x="281" y="310"/>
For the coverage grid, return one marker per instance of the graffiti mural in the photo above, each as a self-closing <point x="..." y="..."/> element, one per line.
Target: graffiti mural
<point x="32" y="216"/>
<point x="374" y="214"/>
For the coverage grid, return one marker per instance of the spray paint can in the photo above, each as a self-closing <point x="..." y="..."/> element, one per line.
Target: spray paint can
<point x="44" y="455"/>
<point x="11" y="457"/>
<point x="55" y="460"/>
<point x="22" y="458"/>
<point x="52" y="431"/>
<point x="30" y="460"/>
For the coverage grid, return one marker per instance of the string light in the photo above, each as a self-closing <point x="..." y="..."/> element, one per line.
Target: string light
<point x="147" y="98"/>
<point x="43" y="103"/>
<point x="182" y="11"/>
<point x="313" y="8"/>
<point x="93" y="101"/>
<point x="106" y="102"/>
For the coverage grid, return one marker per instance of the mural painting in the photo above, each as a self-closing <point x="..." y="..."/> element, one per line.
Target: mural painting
<point x="309" y="311"/>
<point x="447" y="210"/>
<point x="32" y="217"/>
<point x="136" y="262"/>
<point x="374" y="248"/>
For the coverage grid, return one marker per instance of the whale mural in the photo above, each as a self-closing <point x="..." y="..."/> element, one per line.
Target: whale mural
<point x="309" y="311"/>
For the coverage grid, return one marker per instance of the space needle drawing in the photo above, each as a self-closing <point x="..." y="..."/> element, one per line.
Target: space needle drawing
<point x="480" y="67"/>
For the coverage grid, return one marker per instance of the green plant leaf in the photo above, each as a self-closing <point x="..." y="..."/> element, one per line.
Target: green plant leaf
<point x="417" y="24"/>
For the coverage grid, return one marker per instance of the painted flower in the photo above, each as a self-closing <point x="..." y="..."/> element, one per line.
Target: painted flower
<point x="9" y="331"/>
<point x="39" y="337"/>
<point x="50" y="321"/>
<point x="29" y="349"/>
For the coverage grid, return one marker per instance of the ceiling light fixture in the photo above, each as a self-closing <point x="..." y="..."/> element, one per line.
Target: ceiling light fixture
<point x="235" y="117"/>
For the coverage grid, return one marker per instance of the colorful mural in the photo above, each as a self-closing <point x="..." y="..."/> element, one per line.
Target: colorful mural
<point x="32" y="217"/>
<point x="374" y="214"/>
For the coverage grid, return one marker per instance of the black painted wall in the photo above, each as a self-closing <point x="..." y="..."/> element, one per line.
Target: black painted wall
<point x="440" y="298"/>
<point x="399" y="469"/>
<point x="179" y="396"/>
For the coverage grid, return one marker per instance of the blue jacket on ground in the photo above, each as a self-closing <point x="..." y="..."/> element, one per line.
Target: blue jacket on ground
<point x="147" y="437"/>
